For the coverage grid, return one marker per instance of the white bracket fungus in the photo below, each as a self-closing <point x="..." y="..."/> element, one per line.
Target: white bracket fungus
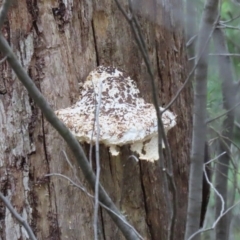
<point x="124" y="117"/>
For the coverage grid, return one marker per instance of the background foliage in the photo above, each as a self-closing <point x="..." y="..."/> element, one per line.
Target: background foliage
<point x="229" y="10"/>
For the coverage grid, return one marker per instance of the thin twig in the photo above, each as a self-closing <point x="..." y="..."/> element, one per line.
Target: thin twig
<point x="93" y="129"/>
<point x="237" y="124"/>
<point x="221" y="26"/>
<point x="85" y="191"/>
<point x="193" y="69"/>
<point x="98" y="168"/>
<point x="225" y="54"/>
<point x="134" y="157"/>
<point x="219" y="54"/>
<point x="230" y="168"/>
<point x="161" y="133"/>
<point x="90" y="195"/>
<point x="223" y="138"/>
<point x="230" y="20"/>
<point x="222" y="213"/>
<point x="3" y="60"/>
<point x="223" y="114"/>
<point x="191" y="40"/>
<point x="20" y="219"/>
<point x="67" y="159"/>
<point x="215" y="223"/>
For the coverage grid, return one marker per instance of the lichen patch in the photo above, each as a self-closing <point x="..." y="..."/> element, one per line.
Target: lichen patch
<point x="124" y="118"/>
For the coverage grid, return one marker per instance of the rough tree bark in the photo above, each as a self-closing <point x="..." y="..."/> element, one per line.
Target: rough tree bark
<point x="59" y="43"/>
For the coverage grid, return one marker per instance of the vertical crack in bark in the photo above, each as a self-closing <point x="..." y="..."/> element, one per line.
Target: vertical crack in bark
<point x="159" y="74"/>
<point x="53" y="217"/>
<point x="110" y="165"/>
<point x="46" y="155"/>
<point x="58" y="230"/>
<point x="95" y="43"/>
<point x="3" y="89"/>
<point x="5" y="69"/>
<point x="145" y="201"/>
<point x="102" y="220"/>
<point x="44" y="143"/>
<point x="33" y="9"/>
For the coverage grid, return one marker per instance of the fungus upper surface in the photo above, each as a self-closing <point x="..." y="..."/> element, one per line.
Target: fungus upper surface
<point x="124" y="117"/>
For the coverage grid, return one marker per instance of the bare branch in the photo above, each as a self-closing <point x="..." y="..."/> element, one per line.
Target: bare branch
<point x="191" y="40"/>
<point x="221" y="26"/>
<point x="214" y="224"/>
<point x="168" y="176"/>
<point x="90" y="195"/>
<point x="223" y="213"/>
<point x="98" y="168"/>
<point x="21" y="220"/>
<point x="194" y="67"/>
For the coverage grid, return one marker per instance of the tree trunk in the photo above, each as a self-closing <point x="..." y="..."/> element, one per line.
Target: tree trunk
<point x="59" y="43"/>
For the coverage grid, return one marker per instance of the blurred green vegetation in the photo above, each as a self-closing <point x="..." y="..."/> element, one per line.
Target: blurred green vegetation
<point x="229" y="10"/>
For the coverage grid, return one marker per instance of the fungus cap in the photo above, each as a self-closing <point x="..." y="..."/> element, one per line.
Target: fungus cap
<point x="124" y="117"/>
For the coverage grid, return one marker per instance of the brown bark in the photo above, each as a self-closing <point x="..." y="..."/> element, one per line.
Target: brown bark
<point x="59" y="44"/>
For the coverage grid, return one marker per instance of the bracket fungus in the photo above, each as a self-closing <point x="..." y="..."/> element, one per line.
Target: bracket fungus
<point x="124" y="117"/>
